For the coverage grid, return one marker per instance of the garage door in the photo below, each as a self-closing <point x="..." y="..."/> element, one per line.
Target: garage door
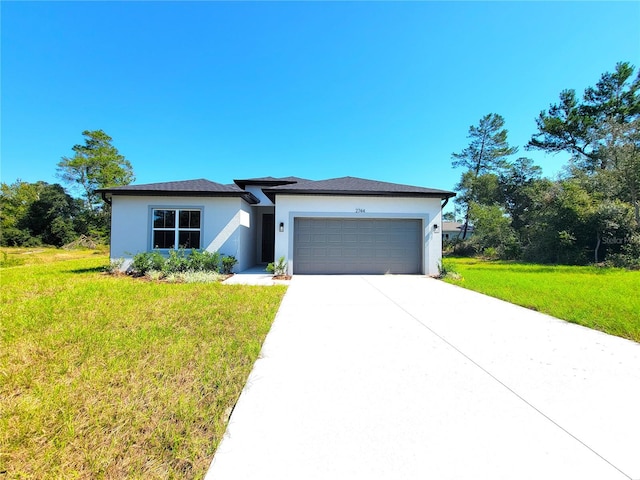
<point x="345" y="245"/>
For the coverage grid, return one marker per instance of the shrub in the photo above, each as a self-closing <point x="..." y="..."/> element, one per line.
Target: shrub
<point x="279" y="268"/>
<point x="203" y="261"/>
<point x="629" y="257"/>
<point x="154" y="275"/>
<point x="447" y="270"/>
<point x="14" y="237"/>
<point x="490" y="253"/>
<point x="33" y="242"/>
<point x="177" y="262"/>
<point x="449" y="245"/>
<point x="465" y="248"/>
<point x="228" y="262"/>
<point x="194" y="277"/>
<point x="145" y="261"/>
<point x="115" y="266"/>
<point x="511" y="249"/>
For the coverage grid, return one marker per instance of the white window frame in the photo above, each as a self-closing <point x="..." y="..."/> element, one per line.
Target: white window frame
<point x="176" y="228"/>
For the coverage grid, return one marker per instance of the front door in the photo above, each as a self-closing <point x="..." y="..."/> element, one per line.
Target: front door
<point x="268" y="237"/>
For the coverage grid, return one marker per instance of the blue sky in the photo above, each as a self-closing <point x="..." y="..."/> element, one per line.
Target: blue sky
<point x="224" y="90"/>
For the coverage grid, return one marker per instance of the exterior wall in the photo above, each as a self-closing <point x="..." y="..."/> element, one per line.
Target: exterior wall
<point x="246" y="248"/>
<point x="288" y="207"/>
<point x="226" y="225"/>
<point x="257" y="192"/>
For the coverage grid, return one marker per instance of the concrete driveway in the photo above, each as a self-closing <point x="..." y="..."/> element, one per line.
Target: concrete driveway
<point x="406" y="377"/>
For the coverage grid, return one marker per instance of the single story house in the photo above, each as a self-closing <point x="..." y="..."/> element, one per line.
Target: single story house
<point x="453" y="230"/>
<point x="336" y="226"/>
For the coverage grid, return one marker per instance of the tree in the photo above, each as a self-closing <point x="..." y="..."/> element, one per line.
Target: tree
<point x="601" y="131"/>
<point x="622" y="150"/>
<point x="449" y="216"/>
<point x="573" y="125"/>
<point x="48" y="218"/>
<point x="517" y="189"/>
<point x="492" y="230"/>
<point x="15" y="200"/>
<point x="611" y="221"/>
<point x="615" y="96"/>
<point x="35" y="213"/>
<point x="96" y="164"/>
<point x="480" y="189"/>
<point x="486" y="153"/>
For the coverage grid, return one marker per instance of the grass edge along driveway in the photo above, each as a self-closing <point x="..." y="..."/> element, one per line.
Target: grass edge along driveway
<point x="605" y="299"/>
<point x="114" y="377"/>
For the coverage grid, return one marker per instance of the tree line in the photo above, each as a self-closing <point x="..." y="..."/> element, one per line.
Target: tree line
<point x="590" y="213"/>
<point x="40" y="213"/>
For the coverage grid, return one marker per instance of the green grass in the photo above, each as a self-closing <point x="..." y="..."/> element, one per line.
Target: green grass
<point x="605" y="299"/>
<point x="112" y="377"/>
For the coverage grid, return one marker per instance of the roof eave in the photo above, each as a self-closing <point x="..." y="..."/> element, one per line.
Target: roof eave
<point x="271" y="193"/>
<point x="269" y="183"/>
<point x="246" y="196"/>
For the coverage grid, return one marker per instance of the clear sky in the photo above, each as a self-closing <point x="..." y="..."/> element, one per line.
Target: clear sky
<point x="224" y="90"/>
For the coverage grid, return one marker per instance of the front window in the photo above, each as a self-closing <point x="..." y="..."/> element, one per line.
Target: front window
<point x="176" y="228"/>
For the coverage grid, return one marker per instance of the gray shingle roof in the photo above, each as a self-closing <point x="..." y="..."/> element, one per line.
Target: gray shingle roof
<point x="292" y="185"/>
<point x="200" y="187"/>
<point x="356" y="186"/>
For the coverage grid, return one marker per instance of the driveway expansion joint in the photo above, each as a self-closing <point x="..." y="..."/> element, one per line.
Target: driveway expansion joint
<point x="492" y="376"/>
<point x="369" y="378"/>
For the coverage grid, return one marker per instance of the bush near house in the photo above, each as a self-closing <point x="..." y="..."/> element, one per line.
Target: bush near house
<point x="278" y="268"/>
<point x="181" y="261"/>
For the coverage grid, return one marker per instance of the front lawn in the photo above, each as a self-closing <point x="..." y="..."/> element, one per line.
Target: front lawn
<point x="605" y="299"/>
<point x="113" y="377"/>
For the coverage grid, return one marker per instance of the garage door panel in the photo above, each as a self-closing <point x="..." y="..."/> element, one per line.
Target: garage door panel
<point x="366" y="252"/>
<point x="365" y="238"/>
<point x="334" y="245"/>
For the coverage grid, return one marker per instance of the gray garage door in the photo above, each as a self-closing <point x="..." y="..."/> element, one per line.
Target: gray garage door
<point x="345" y="245"/>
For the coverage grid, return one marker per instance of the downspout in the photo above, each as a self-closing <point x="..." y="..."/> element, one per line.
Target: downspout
<point x="108" y="200"/>
<point x="446" y="200"/>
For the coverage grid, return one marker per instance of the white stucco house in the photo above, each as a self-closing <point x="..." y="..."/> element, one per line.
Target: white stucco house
<point x="336" y="226"/>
